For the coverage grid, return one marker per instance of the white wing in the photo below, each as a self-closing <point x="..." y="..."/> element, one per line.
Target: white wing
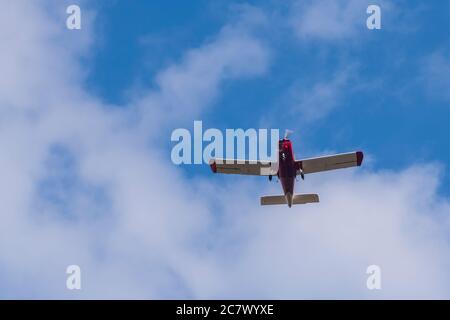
<point x="247" y="167"/>
<point x="332" y="162"/>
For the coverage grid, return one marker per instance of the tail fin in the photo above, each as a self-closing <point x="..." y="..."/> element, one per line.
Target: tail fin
<point x="297" y="199"/>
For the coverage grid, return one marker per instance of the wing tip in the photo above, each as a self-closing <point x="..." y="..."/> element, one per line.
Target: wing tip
<point x="213" y="165"/>
<point x="359" y="158"/>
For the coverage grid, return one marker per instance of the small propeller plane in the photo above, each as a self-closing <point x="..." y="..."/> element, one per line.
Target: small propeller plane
<point x="287" y="169"/>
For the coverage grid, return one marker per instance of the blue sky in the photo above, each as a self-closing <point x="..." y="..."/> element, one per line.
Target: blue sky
<point x="384" y="109"/>
<point x="86" y="117"/>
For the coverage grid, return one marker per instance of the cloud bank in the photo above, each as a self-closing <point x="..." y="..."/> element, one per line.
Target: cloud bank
<point x="83" y="183"/>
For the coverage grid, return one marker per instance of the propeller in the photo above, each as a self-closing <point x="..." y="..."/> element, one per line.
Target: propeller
<point x="287" y="133"/>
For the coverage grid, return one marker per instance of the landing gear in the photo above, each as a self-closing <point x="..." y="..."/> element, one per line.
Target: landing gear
<point x="270" y="177"/>
<point x="302" y="175"/>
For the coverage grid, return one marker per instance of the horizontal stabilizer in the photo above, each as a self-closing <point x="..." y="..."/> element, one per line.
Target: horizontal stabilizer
<point x="297" y="199"/>
<point x="305" y="198"/>
<point x="269" y="200"/>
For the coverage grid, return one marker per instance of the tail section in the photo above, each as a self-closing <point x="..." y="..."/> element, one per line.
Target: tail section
<point x="270" y="200"/>
<point x="305" y="198"/>
<point x="296" y="199"/>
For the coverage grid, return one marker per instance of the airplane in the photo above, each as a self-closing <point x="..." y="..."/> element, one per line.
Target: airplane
<point x="287" y="169"/>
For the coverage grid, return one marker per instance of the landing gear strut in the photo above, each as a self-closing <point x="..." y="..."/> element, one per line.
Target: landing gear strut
<point x="270" y="177"/>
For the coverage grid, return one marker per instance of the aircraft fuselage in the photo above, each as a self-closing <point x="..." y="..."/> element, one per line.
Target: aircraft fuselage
<point x="287" y="170"/>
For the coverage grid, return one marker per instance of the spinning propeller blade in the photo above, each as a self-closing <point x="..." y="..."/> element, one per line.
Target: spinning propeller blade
<point x="287" y="133"/>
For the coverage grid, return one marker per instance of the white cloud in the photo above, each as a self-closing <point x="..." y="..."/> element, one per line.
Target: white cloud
<point x="338" y="20"/>
<point x="388" y="219"/>
<point x="313" y="102"/>
<point x="328" y="20"/>
<point x="192" y="85"/>
<point x="80" y="185"/>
